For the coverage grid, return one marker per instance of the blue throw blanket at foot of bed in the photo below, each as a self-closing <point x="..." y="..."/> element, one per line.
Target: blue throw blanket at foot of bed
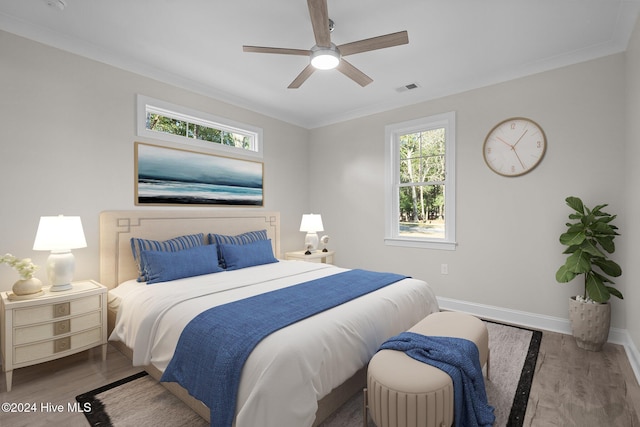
<point x="213" y="347"/>
<point x="459" y="358"/>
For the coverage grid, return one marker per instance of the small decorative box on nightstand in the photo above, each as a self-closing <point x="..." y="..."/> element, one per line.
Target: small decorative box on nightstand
<point x="316" y="256"/>
<point x="54" y="325"/>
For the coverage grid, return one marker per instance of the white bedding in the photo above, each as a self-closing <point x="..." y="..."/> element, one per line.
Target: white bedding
<point x="290" y="370"/>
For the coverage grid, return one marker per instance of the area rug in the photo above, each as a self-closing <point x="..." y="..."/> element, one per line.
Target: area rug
<point x="141" y="401"/>
<point x="514" y="352"/>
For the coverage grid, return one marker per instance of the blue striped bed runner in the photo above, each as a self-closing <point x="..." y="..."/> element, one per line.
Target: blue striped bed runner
<point x="214" y="346"/>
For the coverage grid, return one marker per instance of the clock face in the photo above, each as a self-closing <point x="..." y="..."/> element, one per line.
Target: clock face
<point x="514" y="147"/>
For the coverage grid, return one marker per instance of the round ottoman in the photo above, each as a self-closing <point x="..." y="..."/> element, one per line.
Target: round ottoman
<point x="403" y="392"/>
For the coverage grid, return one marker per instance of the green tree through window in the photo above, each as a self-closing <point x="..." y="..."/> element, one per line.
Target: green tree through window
<point x="422" y="176"/>
<point x="165" y="124"/>
<point x="420" y="186"/>
<point x="163" y="120"/>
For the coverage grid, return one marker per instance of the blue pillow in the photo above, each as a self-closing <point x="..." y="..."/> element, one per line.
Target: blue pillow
<point x="248" y="255"/>
<point x="171" y="245"/>
<point x="162" y="266"/>
<point x="240" y="239"/>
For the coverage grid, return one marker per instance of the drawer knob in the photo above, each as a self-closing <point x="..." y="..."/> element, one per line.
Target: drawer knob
<point x="61" y="344"/>
<point x="61" y="327"/>
<point x="63" y="309"/>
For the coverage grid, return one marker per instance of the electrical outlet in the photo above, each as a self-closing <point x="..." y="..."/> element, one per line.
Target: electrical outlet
<point x="444" y="269"/>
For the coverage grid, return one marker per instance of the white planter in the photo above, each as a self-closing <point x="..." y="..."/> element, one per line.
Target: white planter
<point x="27" y="287"/>
<point x="590" y="323"/>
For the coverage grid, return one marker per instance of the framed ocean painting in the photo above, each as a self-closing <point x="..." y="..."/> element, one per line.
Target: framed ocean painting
<point x="171" y="176"/>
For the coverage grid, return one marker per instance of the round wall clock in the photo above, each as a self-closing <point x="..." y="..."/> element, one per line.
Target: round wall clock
<point x="514" y="146"/>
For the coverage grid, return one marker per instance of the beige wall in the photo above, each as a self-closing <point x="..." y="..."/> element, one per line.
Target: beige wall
<point x="507" y="228"/>
<point x="66" y="147"/>
<point x="631" y="193"/>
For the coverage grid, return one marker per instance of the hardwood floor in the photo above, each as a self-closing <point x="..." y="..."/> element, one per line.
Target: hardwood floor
<point x="571" y="387"/>
<point x="58" y="383"/>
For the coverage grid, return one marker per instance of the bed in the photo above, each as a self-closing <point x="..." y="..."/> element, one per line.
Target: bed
<point x="296" y="376"/>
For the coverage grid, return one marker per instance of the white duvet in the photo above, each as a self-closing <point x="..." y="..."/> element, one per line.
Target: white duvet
<point x="293" y="368"/>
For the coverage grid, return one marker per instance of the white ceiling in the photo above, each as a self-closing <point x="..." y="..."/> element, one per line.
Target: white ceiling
<point x="454" y="45"/>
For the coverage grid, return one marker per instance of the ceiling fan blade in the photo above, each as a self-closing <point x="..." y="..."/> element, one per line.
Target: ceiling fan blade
<point x="280" y="50"/>
<point x="302" y="77"/>
<point x="320" y="21"/>
<point x="374" y="43"/>
<point x="353" y="73"/>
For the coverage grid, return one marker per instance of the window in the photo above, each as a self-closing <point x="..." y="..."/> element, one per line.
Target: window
<point x="420" y="182"/>
<point x="162" y="120"/>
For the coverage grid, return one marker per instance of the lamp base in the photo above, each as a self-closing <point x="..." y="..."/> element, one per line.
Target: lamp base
<point x="58" y="288"/>
<point x="311" y="241"/>
<point x="60" y="267"/>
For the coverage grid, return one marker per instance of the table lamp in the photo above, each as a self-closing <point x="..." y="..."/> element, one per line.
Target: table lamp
<point x="311" y="224"/>
<point x="59" y="234"/>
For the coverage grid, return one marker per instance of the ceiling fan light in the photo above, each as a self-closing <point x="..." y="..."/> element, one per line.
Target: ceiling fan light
<point x="325" y="59"/>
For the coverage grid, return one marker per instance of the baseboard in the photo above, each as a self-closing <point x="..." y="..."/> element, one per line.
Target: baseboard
<point x="538" y="321"/>
<point x="634" y="356"/>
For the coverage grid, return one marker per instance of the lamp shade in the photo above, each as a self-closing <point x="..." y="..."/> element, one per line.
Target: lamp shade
<point x="59" y="233"/>
<point x="311" y="223"/>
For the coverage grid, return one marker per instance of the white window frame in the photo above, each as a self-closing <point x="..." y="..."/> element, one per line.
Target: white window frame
<point x="392" y="181"/>
<point x="145" y="104"/>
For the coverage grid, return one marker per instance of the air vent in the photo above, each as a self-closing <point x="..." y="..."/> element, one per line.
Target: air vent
<point x="410" y="86"/>
<point x="58" y="4"/>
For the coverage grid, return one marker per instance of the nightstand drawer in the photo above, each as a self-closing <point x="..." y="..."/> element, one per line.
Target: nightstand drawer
<point x="41" y="350"/>
<point x="43" y="313"/>
<point x="45" y="331"/>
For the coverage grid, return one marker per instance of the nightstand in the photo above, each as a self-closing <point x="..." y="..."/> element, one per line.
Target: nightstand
<point x="316" y="256"/>
<point x="52" y="326"/>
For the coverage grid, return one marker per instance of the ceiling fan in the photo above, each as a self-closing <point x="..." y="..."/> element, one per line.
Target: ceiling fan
<point x="325" y="54"/>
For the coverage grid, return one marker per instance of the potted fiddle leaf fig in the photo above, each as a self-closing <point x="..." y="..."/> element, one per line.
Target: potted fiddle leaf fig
<point x="589" y="240"/>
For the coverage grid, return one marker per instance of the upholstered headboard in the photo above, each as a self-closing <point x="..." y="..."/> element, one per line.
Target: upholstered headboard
<point x="118" y="227"/>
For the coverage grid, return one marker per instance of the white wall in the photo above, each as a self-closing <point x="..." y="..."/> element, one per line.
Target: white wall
<point x="507" y="228"/>
<point x="632" y="199"/>
<point x="66" y="147"/>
